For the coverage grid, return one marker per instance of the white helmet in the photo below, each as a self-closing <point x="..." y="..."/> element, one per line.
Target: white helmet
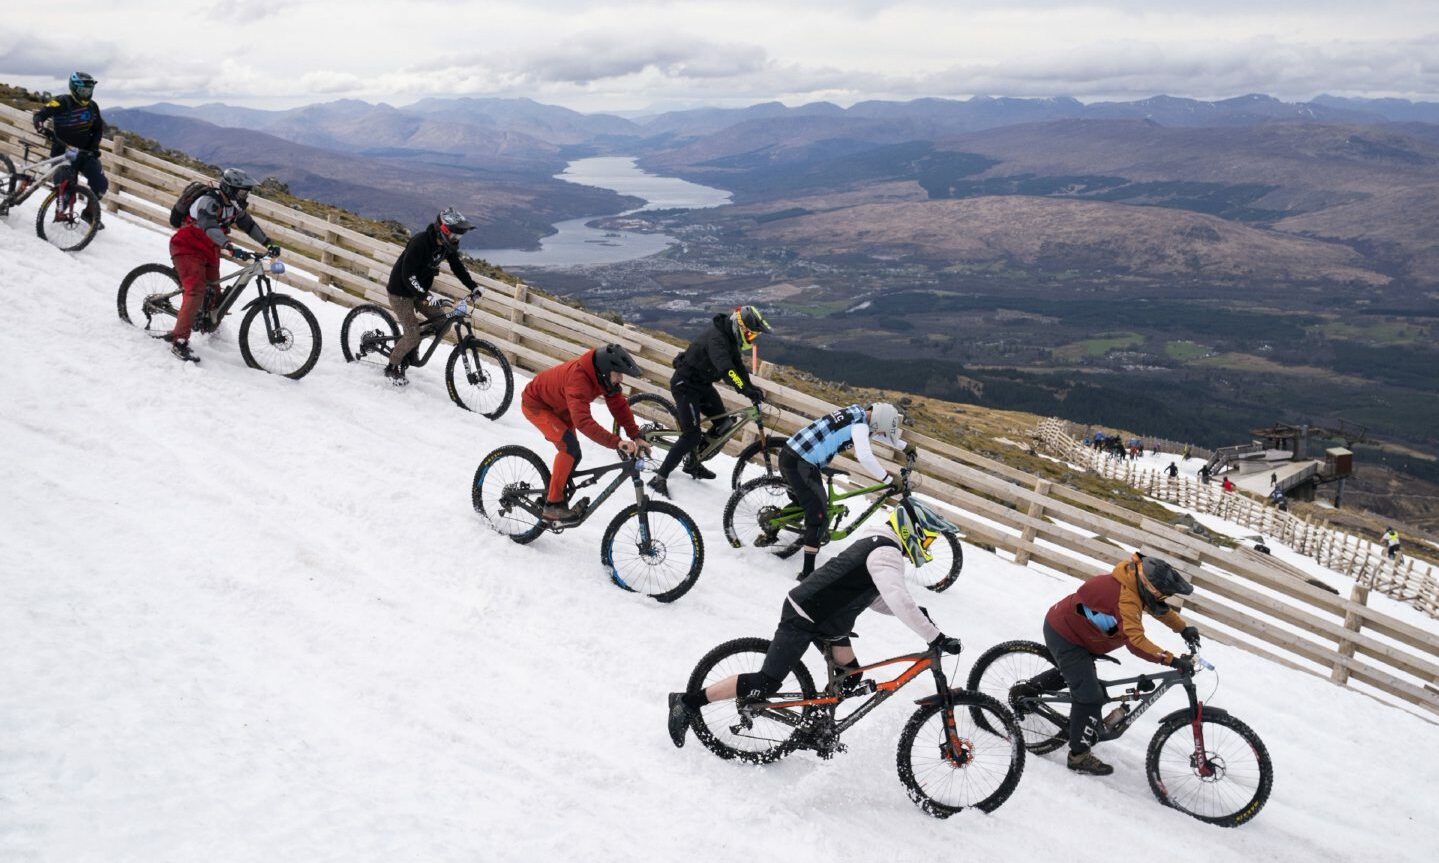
<point x="884" y="422"/>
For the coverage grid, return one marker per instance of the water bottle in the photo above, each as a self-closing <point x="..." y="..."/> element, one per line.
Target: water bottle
<point x="1115" y="716"/>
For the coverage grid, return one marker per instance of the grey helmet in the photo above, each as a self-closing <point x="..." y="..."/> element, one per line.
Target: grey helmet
<point x="235" y="186"/>
<point x="451" y="225"/>
<point x="884" y="420"/>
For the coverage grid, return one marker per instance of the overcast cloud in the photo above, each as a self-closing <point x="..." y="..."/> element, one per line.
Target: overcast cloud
<point x="592" y="55"/>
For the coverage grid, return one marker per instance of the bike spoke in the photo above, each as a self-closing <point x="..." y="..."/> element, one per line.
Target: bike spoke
<point x="655" y="563"/>
<point x="1234" y="772"/>
<point x="962" y="769"/>
<point x="286" y="342"/>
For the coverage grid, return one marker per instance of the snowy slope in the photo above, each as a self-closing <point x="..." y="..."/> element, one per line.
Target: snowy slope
<point x="246" y="618"/>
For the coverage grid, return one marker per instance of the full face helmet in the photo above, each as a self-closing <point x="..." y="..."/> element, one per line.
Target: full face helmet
<point x="451" y="225"/>
<point x="748" y="324"/>
<point x="916" y="526"/>
<point x="82" y="86"/>
<point x="235" y="186"/>
<point x="884" y="420"/>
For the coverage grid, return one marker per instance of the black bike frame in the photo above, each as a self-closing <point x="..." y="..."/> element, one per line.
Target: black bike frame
<point x="532" y="500"/>
<point x="1147" y="689"/>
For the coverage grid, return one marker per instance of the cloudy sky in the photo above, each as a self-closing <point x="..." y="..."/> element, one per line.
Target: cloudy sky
<point x="640" y="55"/>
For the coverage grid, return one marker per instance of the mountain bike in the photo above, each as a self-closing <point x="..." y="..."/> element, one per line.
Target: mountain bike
<point x="1201" y="760"/>
<point x="68" y="215"/>
<point x="651" y="546"/>
<point x="277" y="334"/>
<point x="762" y="513"/>
<point x="477" y="375"/>
<point x="662" y="429"/>
<point x="948" y="760"/>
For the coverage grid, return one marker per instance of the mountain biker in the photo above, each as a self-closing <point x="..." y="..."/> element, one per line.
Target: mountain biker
<point x="713" y="356"/>
<point x="1391" y="542"/>
<point x="75" y="121"/>
<point x="823" y="608"/>
<point x="557" y="402"/>
<point x="814" y="446"/>
<point x="195" y="248"/>
<point x="1105" y="613"/>
<point x="414" y="274"/>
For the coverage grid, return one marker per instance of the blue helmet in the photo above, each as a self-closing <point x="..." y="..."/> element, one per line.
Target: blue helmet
<point x="82" y="86"/>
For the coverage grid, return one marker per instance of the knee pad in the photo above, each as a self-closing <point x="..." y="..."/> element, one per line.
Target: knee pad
<point x="572" y="446"/>
<point x="756" y="684"/>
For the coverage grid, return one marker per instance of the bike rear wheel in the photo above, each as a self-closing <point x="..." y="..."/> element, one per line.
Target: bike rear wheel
<point x="749" y="464"/>
<point x="750" y="510"/>
<point x="368" y="333"/>
<point x="9" y="182"/>
<point x="150" y="297"/>
<point x="765" y="736"/>
<point x="654" y="411"/>
<point x="506" y="476"/>
<point x="1239" y="778"/>
<point x="285" y="340"/>
<point x="71" y="228"/>
<point x="1002" y="667"/>
<point x="974" y="765"/>
<point x="665" y="564"/>
<point x="479" y="378"/>
<point x="942" y="572"/>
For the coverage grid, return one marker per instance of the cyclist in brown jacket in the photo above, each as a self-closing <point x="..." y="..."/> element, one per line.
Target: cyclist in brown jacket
<point x="1104" y="614"/>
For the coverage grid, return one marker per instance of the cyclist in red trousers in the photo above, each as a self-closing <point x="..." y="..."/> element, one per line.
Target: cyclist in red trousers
<point x="557" y="402"/>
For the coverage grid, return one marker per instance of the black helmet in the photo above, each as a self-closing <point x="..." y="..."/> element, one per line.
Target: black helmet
<point x="235" y="185"/>
<point x="451" y="225"/>
<point x="82" y="86"/>
<point x="1164" y="579"/>
<point x="613" y="358"/>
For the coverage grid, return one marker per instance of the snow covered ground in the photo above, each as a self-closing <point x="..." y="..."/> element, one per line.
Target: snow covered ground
<point x="251" y="619"/>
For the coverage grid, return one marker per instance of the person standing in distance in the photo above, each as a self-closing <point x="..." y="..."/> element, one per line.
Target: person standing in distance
<point x="412" y="277"/>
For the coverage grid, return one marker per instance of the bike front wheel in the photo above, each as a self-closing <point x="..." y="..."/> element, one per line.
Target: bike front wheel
<point x="150" y="297"/>
<point x="999" y="670"/>
<point x="942" y="571"/>
<point x="68" y="227"/>
<point x="506" y="480"/>
<point x="368" y="333"/>
<point x="750" y="463"/>
<point x="949" y="761"/>
<point x="479" y="378"/>
<point x="762" y="514"/>
<point x="280" y="336"/>
<point x="758" y="736"/>
<point x="9" y="181"/>
<point x="1227" y="784"/>
<point x="661" y="560"/>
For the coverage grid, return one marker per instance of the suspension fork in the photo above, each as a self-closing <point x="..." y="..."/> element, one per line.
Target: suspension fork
<point x="1200" y="759"/>
<point x="954" y="748"/>
<point x="641" y="500"/>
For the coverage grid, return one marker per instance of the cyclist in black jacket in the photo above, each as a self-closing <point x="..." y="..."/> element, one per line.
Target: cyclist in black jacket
<point x="74" y="121"/>
<point x="713" y="356"/>
<point x="412" y="277"/>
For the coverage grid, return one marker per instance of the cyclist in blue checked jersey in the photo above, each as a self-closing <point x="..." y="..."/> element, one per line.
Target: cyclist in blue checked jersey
<point x="815" y="445"/>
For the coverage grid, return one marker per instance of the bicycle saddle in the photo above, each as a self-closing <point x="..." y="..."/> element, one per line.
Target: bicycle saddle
<point x="833" y="471"/>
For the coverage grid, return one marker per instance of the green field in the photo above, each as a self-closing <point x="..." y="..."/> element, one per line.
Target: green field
<point x="1098" y="346"/>
<point x="1382" y="333"/>
<point x="1185" y="350"/>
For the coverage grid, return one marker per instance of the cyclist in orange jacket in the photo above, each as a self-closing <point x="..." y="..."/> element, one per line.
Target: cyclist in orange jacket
<point x="557" y="402"/>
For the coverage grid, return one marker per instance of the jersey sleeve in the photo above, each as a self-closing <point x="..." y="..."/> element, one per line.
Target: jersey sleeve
<point x="864" y="453"/>
<point x="886" y="567"/>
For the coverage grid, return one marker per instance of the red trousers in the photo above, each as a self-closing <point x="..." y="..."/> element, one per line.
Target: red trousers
<point x="197" y="263"/>
<point x="562" y="435"/>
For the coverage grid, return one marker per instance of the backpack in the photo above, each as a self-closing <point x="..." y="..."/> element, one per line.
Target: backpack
<point x="188" y="196"/>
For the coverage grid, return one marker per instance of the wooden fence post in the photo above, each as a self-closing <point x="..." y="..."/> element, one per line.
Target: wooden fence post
<point x="117" y="170"/>
<point x="1026" y="537"/>
<point x="517" y="319"/>
<point x="327" y="256"/>
<point x="1340" y="673"/>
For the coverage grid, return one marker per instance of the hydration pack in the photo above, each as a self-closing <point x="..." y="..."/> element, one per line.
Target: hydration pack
<point x="191" y="193"/>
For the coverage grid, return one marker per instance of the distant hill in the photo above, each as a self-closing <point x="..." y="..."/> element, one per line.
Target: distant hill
<point x="513" y="202"/>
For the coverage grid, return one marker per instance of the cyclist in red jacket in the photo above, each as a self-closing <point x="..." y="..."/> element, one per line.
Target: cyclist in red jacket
<point x="1103" y="615"/>
<point x="557" y="402"/>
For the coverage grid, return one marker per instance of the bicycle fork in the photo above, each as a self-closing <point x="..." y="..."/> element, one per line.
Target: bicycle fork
<point x="1202" y="765"/>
